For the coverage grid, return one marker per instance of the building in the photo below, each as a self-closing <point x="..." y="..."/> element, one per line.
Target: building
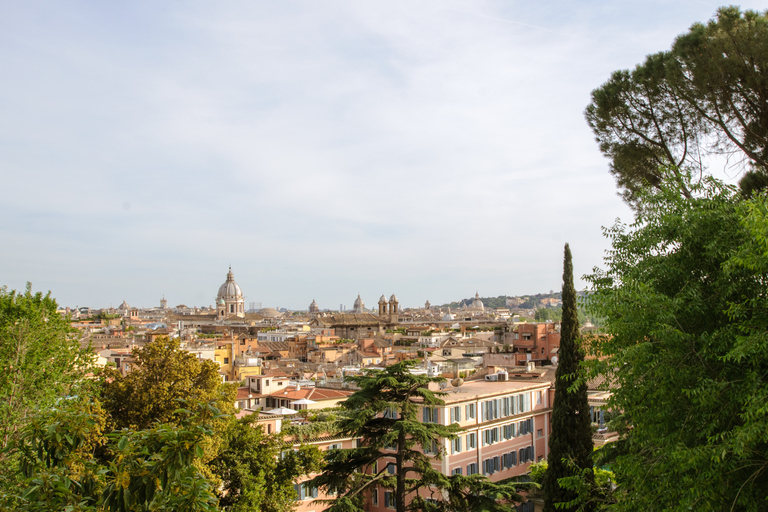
<point x="230" y="301"/>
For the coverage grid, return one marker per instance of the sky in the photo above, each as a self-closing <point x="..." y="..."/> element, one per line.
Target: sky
<point x="430" y="149"/>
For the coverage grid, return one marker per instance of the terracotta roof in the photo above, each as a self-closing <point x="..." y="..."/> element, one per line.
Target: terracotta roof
<point x="311" y="393"/>
<point x="274" y="373"/>
<point x="274" y="345"/>
<point x="242" y="393"/>
<point x="344" y="319"/>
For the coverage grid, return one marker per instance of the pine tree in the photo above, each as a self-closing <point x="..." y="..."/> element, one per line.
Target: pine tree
<point x="571" y="437"/>
<point x="384" y="415"/>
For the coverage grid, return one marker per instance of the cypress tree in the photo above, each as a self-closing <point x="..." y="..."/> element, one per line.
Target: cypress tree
<point x="571" y="436"/>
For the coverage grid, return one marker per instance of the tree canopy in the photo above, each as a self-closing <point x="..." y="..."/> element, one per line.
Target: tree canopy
<point x="707" y="95"/>
<point x="162" y="373"/>
<point x="40" y="361"/>
<point x="685" y="301"/>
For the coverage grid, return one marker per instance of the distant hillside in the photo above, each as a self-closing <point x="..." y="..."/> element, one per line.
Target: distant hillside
<point x="516" y="302"/>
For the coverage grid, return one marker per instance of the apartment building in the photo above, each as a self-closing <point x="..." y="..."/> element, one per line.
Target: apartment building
<point x="504" y="420"/>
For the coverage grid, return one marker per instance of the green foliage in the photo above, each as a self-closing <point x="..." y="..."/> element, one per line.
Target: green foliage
<point x="40" y="362"/>
<point x="254" y="474"/>
<point x="310" y="431"/>
<point x="591" y="489"/>
<point x="686" y="306"/>
<point x="571" y="437"/>
<point x="151" y="470"/>
<point x="162" y="374"/>
<point x="704" y="96"/>
<point x="349" y="473"/>
<point x="537" y="471"/>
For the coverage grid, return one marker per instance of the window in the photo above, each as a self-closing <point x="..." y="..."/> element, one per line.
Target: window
<point x="431" y="448"/>
<point x="391" y="468"/>
<point x="456" y="414"/>
<point x="304" y="491"/>
<point x="490" y="436"/>
<point x="430" y="415"/>
<point x="538" y="397"/>
<point x="540" y="433"/>
<point x="471" y="440"/>
<point x="491" y="466"/>
<point x="456" y="445"/>
<point x="472" y="469"/>
<point x="526" y="454"/>
<point x="375" y="497"/>
<point x="226" y="360"/>
<point x="336" y="446"/>
<point x="389" y="499"/>
<point x="390" y="413"/>
<point x="456" y="471"/>
<point x="471" y="411"/>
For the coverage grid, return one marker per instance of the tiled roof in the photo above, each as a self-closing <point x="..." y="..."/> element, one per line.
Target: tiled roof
<point x="351" y="319"/>
<point x="311" y="393"/>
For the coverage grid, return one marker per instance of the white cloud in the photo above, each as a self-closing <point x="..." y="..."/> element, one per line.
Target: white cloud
<point x="429" y="149"/>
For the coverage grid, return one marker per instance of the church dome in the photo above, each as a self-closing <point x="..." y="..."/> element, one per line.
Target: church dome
<point x="393" y="298"/>
<point x="270" y="313"/>
<point x="359" y="304"/>
<point x="230" y="289"/>
<point x="477" y="303"/>
<point x="382" y="300"/>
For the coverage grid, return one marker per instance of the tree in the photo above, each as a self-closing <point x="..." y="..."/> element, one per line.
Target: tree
<point x="151" y="469"/>
<point x="391" y="454"/>
<point x="707" y="95"/>
<point x="162" y="373"/>
<point x="570" y="443"/>
<point x="40" y="363"/>
<point x="685" y="301"/>
<point x="255" y="474"/>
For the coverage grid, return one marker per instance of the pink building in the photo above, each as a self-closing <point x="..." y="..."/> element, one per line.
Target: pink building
<point x="505" y="426"/>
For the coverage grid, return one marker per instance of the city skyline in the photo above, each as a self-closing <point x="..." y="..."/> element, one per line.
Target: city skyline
<point x="429" y="150"/>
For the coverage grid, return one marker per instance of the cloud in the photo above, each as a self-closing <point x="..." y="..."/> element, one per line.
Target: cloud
<point x="429" y="149"/>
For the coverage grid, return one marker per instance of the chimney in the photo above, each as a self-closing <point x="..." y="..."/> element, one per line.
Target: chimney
<point x="530" y="366"/>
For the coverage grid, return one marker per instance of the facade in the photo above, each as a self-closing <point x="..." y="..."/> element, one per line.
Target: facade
<point x="505" y="427"/>
<point x="536" y="342"/>
<point x="504" y="420"/>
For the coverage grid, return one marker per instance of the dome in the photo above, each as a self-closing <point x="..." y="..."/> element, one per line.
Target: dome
<point x="359" y="304"/>
<point x="270" y="313"/>
<point x="124" y="305"/>
<point x="220" y="302"/>
<point x="393" y="298"/>
<point x="230" y="289"/>
<point x="477" y="303"/>
<point x="382" y="300"/>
